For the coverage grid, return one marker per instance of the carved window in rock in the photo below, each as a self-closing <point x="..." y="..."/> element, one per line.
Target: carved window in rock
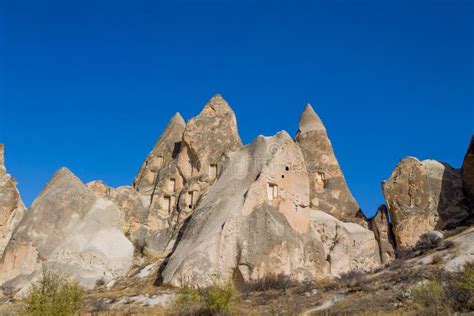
<point x="172" y="185"/>
<point x="213" y="171"/>
<point x="167" y="203"/>
<point x="320" y="180"/>
<point x="190" y="199"/>
<point x="272" y="191"/>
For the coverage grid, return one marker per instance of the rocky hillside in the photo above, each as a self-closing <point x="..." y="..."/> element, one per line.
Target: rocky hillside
<point x="205" y="210"/>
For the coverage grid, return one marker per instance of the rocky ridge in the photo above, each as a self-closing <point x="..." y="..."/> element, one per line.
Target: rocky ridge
<point x="204" y="209"/>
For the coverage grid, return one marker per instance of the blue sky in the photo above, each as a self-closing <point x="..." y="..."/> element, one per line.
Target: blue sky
<point x="91" y="84"/>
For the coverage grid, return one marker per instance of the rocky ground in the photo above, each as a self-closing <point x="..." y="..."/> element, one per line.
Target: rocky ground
<point x="386" y="291"/>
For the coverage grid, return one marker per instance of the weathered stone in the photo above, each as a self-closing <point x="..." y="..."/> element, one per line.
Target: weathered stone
<point x="69" y="228"/>
<point x="133" y="214"/>
<point x="423" y="196"/>
<point x="192" y="158"/>
<point x="468" y="174"/>
<point x="329" y="191"/>
<point x="12" y="209"/>
<point x="347" y="246"/>
<point x="166" y="149"/>
<point x="382" y="229"/>
<point x="255" y="221"/>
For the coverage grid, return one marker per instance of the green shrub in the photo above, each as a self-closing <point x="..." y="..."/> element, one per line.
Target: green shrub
<point x="54" y="294"/>
<point x="220" y="298"/>
<point x="189" y="301"/>
<point x="467" y="279"/>
<point x="215" y="300"/>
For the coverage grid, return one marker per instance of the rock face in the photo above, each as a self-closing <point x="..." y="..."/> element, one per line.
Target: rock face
<point x="328" y="189"/>
<point x="132" y="211"/>
<point x="182" y="166"/>
<point x="423" y="196"/>
<point x="12" y="209"/>
<point x="69" y="228"/>
<point x="382" y="229"/>
<point x="468" y="174"/>
<point x="256" y="221"/>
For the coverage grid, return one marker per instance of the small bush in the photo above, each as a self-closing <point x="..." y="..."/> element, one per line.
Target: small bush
<point x="54" y="294"/>
<point x="429" y="294"/>
<point x="352" y="279"/>
<point x="215" y="300"/>
<point x="220" y="298"/>
<point x="437" y="259"/>
<point x="428" y="241"/>
<point x="189" y="301"/>
<point x="467" y="279"/>
<point x="270" y="282"/>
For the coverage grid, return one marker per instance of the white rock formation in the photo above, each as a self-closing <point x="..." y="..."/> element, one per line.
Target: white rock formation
<point x="255" y="221"/>
<point x="69" y="228"/>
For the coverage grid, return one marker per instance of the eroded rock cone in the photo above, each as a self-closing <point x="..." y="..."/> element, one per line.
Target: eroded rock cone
<point x="188" y="160"/>
<point x="328" y="188"/>
<point x="255" y="222"/>
<point x="423" y="196"/>
<point x="68" y="228"/>
<point x="12" y="208"/>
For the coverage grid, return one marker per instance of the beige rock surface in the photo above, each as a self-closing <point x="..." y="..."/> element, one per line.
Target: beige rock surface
<point x="12" y="208"/>
<point x="423" y="196"/>
<point x="382" y="229"/>
<point x="133" y="214"/>
<point x="191" y="161"/>
<point x="329" y="190"/>
<point x="67" y="227"/>
<point x="256" y="221"/>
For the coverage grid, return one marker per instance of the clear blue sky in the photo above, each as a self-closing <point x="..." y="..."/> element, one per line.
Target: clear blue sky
<point x="91" y="84"/>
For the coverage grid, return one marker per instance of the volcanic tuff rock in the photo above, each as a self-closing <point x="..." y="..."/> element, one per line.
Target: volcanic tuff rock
<point x="255" y="221"/>
<point x="67" y="227"/>
<point x="468" y="174"/>
<point x="12" y="209"/>
<point x="328" y="189"/>
<point x="423" y="196"/>
<point x="382" y="229"/>
<point x="183" y="164"/>
<point x="132" y="211"/>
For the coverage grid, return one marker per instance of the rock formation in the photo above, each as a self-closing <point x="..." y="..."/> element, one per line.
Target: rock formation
<point x="423" y="196"/>
<point x="382" y="229"/>
<point x="11" y="205"/>
<point x="468" y="174"/>
<point x="69" y="228"/>
<point x="132" y="211"/>
<point x="329" y="192"/>
<point x="183" y="164"/>
<point x="256" y="221"/>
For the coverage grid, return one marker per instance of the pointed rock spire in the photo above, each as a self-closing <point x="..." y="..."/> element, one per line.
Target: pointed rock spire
<point x="165" y="150"/>
<point x="216" y="105"/>
<point x="310" y="121"/>
<point x="329" y="191"/>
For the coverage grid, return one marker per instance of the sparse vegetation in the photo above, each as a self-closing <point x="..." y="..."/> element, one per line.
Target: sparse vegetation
<point x="427" y="242"/>
<point x="452" y="293"/>
<point x="54" y="294"/>
<point x="270" y="282"/>
<point x="353" y="279"/>
<point x="215" y="300"/>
